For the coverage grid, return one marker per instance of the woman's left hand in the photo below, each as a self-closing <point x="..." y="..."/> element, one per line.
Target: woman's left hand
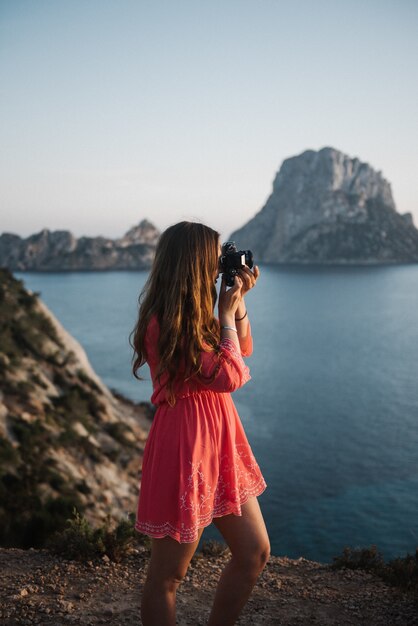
<point x="249" y="278"/>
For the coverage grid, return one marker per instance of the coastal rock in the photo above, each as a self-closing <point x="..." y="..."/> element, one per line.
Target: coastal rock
<point x="60" y="250"/>
<point x="327" y="207"/>
<point x="66" y="440"/>
<point x="144" y="233"/>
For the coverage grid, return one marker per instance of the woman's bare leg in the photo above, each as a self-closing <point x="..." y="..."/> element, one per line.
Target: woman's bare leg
<point x="167" y="568"/>
<point x="249" y="543"/>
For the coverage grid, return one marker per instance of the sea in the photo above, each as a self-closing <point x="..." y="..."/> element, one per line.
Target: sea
<point x="331" y="411"/>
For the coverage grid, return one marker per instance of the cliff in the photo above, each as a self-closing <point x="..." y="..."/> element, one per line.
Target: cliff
<point x="326" y="207"/>
<point x="60" y="250"/>
<point x="65" y="439"/>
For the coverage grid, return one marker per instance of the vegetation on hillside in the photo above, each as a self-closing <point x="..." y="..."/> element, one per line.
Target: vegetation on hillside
<point x="49" y="408"/>
<point x="400" y="572"/>
<point x="81" y="541"/>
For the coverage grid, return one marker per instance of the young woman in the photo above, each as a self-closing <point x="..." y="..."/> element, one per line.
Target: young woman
<point x="198" y="466"/>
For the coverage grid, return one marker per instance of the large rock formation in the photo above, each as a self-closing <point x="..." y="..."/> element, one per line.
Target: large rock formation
<point x="326" y="207"/>
<point x="59" y="250"/>
<point x="65" y="439"/>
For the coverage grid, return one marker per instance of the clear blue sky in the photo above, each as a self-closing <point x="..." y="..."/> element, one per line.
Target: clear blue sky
<point x="112" y="111"/>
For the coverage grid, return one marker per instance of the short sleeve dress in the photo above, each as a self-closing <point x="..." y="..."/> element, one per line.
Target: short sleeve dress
<point x="197" y="462"/>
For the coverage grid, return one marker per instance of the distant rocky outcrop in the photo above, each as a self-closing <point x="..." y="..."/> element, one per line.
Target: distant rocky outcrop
<point x="326" y="207"/>
<point x="60" y="250"/>
<point x="65" y="439"/>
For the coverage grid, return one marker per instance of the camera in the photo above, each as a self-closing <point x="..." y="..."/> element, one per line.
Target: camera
<point x="233" y="260"/>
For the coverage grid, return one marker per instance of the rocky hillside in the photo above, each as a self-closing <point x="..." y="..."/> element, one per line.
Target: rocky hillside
<point x="326" y="207"/>
<point x="60" y="250"/>
<point x="65" y="439"/>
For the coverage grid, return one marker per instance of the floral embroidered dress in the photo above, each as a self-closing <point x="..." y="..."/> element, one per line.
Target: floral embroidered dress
<point x="197" y="461"/>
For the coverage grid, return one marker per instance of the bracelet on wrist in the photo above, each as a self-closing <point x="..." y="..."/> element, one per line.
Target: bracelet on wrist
<point x="229" y="328"/>
<point x="238" y="319"/>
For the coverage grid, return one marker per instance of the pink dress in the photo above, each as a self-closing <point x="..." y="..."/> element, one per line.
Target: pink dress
<point x="197" y="461"/>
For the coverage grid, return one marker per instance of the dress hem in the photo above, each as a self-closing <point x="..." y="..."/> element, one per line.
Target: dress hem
<point x="169" y="530"/>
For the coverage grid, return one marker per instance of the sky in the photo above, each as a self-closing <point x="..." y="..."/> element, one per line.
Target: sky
<point x="115" y="111"/>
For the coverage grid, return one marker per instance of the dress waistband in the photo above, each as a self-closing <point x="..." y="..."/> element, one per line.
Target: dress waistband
<point x="189" y="394"/>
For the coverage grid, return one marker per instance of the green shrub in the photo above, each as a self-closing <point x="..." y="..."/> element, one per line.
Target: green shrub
<point x="77" y="403"/>
<point x="83" y="487"/>
<point x="49" y="518"/>
<point x="25" y="387"/>
<point x="68" y="438"/>
<point x="28" y="300"/>
<point x="26" y="522"/>
<point x="38" y="380"/>
<point x="26" y="336"/>
<point x="400" y="572"/>
<point x="368" y="559"/>
<point x="213" y="548"/>
<point x="118" y="431"/>
<point x="45" y="326"/>
<point x="403" y="572"/>
<point x="8" y="343"/>
<point x="85" y="378"/>
<point x="8" y="454"/>
<point x="80" y="541"/>
<point x="55" y="480"/>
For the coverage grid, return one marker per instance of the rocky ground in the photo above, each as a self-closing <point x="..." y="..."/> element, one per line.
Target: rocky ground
<point x="39" y="588"/>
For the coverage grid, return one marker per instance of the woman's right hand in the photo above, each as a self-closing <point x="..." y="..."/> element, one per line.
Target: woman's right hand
<point x="229" y="300"/>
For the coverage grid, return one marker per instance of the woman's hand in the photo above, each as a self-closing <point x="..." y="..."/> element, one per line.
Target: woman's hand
<point x="229" y="300"/>
<point x="248" y="277"/>
<point x="232" y="301"/>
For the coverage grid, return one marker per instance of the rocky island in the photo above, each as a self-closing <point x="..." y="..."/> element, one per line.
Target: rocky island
<point x="329" y="208"/>
<point x="60" y="250"/>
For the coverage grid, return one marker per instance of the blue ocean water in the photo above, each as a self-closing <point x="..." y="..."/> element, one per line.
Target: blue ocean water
<point x="331" y="411"/>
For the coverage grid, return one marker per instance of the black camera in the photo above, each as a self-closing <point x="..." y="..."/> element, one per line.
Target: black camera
<point x="233" y="260"/>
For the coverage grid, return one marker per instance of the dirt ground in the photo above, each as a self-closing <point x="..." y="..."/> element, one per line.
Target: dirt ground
<point x="39" y="588"/>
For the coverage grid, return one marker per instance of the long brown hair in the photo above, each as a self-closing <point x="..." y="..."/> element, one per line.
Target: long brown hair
<point x="181" y="292"/>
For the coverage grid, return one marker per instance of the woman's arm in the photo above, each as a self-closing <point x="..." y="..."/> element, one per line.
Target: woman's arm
<point x="249" y="279"/>
<point x="229" y="300"/>
<point x="243" y="329"/>
<point x="226" y="370"/>
<point x="223" y="371"/>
